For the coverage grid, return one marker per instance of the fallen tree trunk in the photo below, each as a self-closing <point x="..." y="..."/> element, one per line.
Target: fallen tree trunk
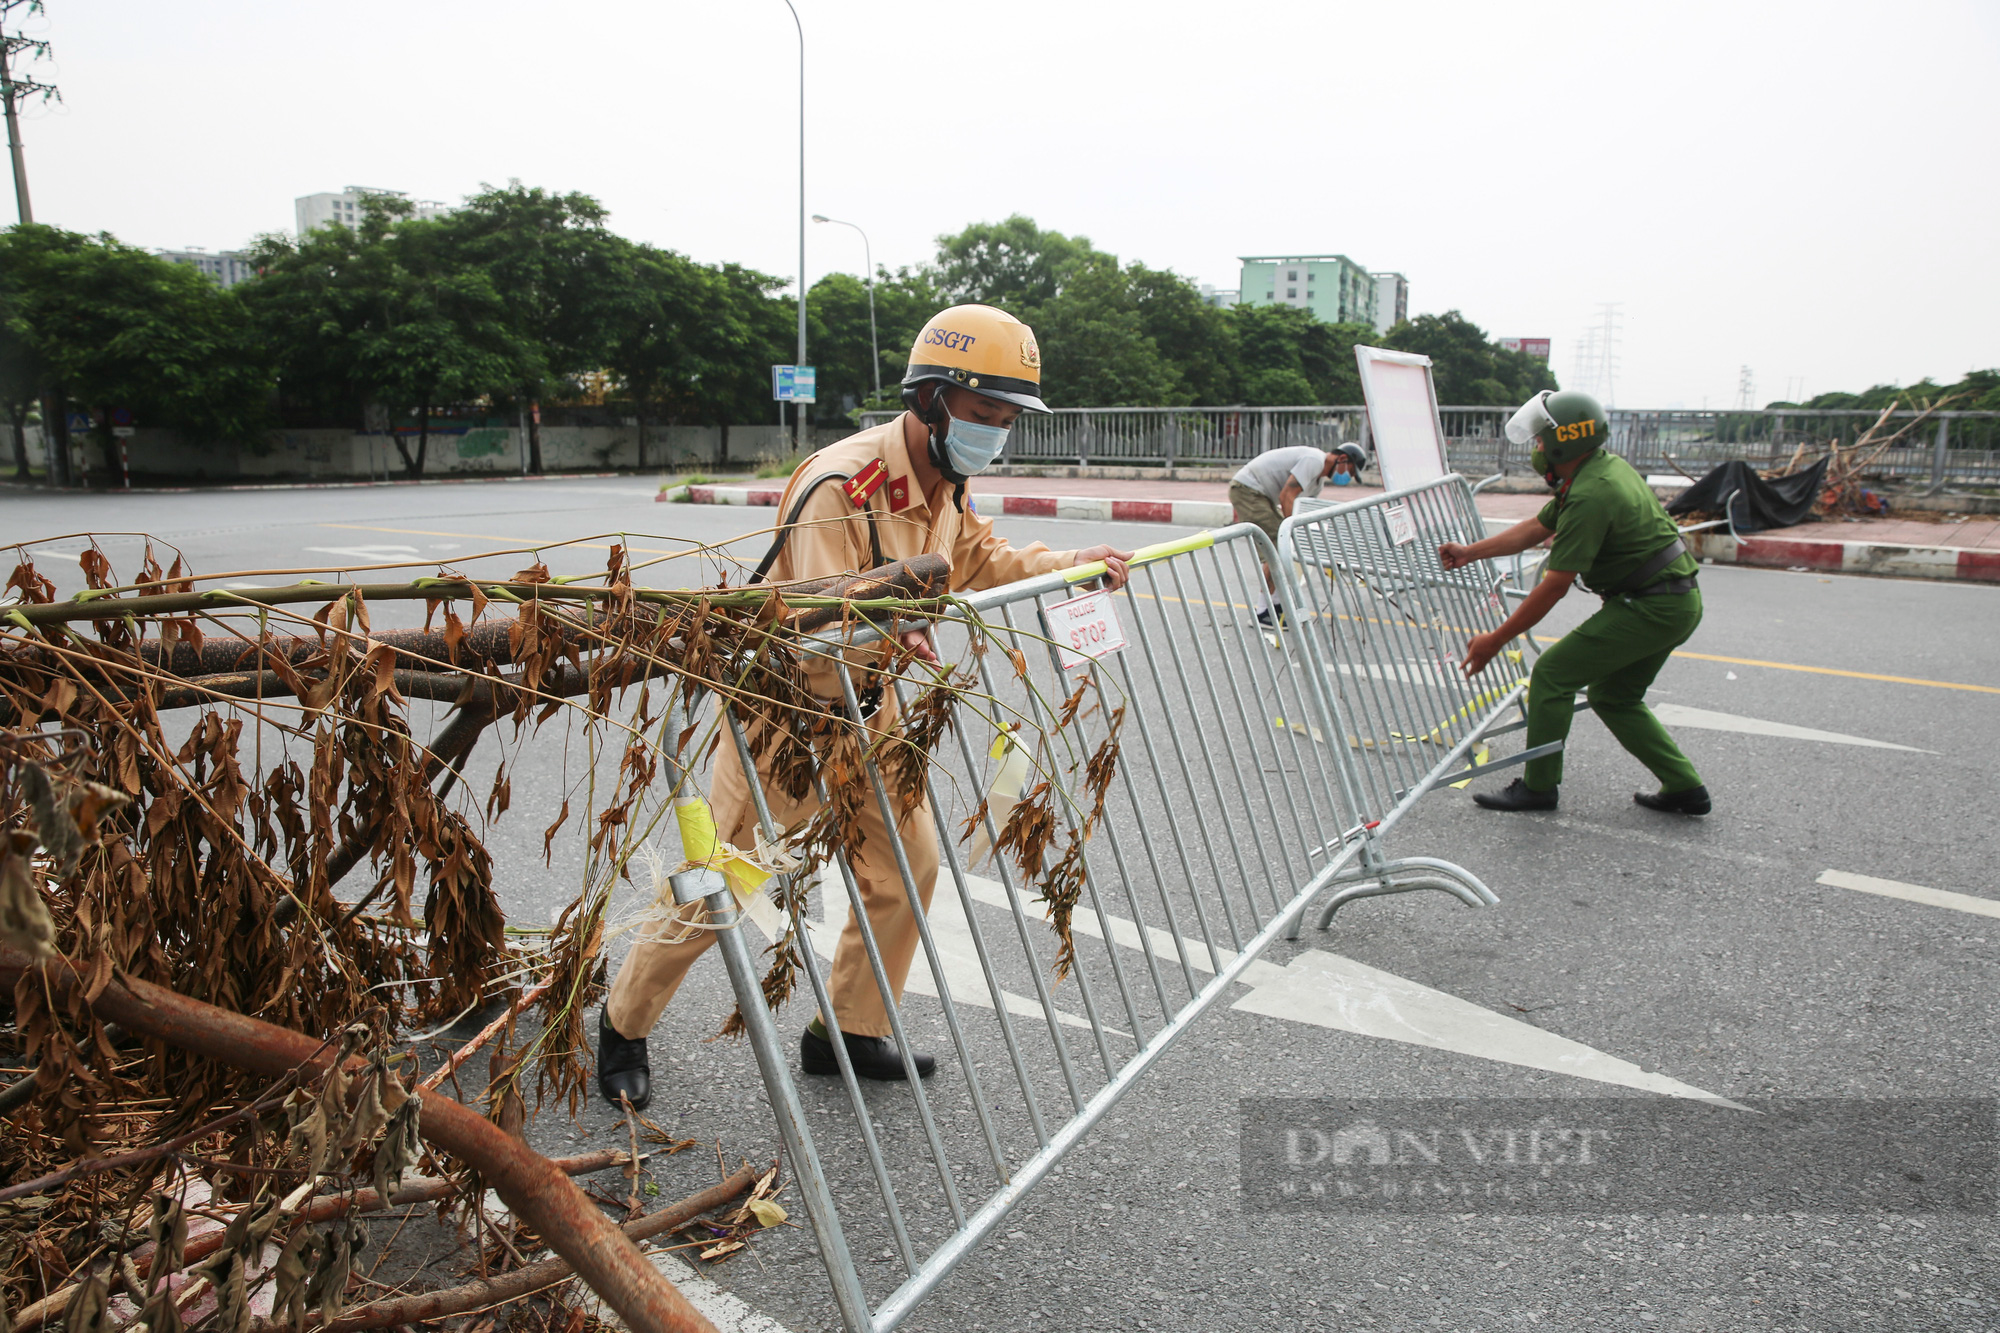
<point x="320" y="1209"/>
<point x="526" y="1281"/>
<point x="529" y="1183"/>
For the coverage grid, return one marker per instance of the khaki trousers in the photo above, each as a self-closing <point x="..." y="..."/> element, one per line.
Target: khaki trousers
<point x="653" y="971"/>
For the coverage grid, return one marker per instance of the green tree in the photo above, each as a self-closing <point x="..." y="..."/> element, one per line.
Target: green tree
<point x="1014" y="265"/>
<point x="691" y="343"/>
<point x="388" y="312"/>
<point x="21" y="371"/>
<point x="111" y="326"/>
<point x="563" y="280"/>
<point x="837" y="314"/>
<point x="1469" y="369"/>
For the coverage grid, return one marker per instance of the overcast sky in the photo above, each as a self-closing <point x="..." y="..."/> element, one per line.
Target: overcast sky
<point x="1808" y="189"/>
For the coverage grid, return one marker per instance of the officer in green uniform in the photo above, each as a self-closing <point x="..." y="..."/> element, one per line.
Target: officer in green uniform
<point x="1612" y="533"/>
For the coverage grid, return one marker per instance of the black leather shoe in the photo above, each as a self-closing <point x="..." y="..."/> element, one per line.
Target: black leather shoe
<point x="1273" y="617"/>
<point x="624" y="1073"/>
<point x="1517" y="795"/>
<point x="1693" y="801"/>
<point x="873" y="1057"/>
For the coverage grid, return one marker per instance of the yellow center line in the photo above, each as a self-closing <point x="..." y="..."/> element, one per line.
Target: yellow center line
<point x="1836" y="671"/>
<point x="514" y="542"/>
<point x="1823" y="671"/>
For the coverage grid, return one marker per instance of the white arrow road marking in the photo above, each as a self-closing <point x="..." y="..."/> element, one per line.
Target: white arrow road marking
<point x="1329" y="991"/>
<point x="1084" y="922"/>
<point x="1319" y="989"/>
<point x="1680" y="715"/>
<point x="955" y="950"/>
<point x="1915" y="893"/>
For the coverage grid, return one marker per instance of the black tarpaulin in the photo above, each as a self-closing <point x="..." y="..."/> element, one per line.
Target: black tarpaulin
<point x="1758" y="504"/>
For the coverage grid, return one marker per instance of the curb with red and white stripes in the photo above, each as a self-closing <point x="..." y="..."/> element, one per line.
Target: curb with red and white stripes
<point x="1920" y="562"/>
<point x="1909" y="562"/>
<point x="1093" y="508"/>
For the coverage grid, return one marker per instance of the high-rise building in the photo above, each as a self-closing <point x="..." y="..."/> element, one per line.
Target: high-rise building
<point x="317" y="210"/>
<point x="1332" y="287"/>
<point x="227" y="267"/>
<point x="1392" y="300"/>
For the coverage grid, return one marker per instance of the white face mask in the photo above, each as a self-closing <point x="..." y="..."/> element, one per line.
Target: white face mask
<point x="969" y="447"/>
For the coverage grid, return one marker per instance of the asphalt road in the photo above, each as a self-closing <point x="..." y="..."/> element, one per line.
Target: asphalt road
<point x="1706" y="951"/>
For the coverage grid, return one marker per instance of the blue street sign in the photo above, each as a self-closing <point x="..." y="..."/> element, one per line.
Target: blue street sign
<point x="794" y="384"/>
<point x="79" y="422"/>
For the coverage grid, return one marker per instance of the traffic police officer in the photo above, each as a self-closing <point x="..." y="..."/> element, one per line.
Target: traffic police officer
<point x="1611" y="532"/>
<point x="888" y="493"/>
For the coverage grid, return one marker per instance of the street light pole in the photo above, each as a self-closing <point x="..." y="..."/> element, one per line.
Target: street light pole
<point x="798" y="408"/>
<point x="868" y="257"/>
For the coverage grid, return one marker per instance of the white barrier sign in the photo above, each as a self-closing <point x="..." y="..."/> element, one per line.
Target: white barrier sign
<point x="1402" y="530"/>
<point x="1084" y="628"/>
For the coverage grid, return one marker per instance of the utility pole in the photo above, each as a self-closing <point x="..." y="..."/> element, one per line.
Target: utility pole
<point x="799" y="408"/>
<point x="14" y="91"/>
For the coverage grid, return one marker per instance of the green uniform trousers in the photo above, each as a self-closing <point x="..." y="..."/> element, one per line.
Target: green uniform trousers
<point x="1614" y="656"/>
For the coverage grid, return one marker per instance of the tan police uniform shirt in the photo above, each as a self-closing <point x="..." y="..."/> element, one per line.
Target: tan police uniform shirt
<point x="831" y="534"/>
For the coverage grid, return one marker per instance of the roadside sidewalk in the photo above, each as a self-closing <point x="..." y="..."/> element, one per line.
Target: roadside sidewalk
<point x="1959" y="548"/>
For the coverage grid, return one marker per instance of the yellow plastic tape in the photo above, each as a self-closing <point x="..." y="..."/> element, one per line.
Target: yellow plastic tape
<point x="702" y="845"/>
<point x="1479" y="757"/>
<point x="1145" y="555"/>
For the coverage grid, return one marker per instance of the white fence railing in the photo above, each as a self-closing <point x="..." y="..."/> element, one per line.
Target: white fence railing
<point x="1949" y="448"/>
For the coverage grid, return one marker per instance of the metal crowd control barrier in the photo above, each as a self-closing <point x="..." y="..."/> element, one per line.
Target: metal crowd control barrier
<point x="1385" y="628"/>
<point x="1235" y="800"/>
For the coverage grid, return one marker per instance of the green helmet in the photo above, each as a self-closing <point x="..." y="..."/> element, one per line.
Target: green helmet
<point x="1565" y="423"/>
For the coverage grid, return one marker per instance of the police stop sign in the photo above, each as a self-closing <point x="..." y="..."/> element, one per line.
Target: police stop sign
<point x="1084" y="628"/>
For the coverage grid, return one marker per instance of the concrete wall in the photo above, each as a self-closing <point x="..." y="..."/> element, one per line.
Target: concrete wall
<point x="455" y="451"/>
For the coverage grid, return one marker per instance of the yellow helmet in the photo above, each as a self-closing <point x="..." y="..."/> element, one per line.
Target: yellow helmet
<point x="979" y="348"/>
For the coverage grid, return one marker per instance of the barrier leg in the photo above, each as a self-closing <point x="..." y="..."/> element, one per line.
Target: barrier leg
<point x="1406" y="875"/>
<point x="708" y="886"/>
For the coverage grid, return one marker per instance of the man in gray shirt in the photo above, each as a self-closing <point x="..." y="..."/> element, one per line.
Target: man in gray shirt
<point x="1265" y="489"/>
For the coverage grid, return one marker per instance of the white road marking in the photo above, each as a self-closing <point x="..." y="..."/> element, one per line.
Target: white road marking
<point x="1914" y="893"/>
<point x="1084" y="922"/>
<point x="1329" y="991"/>
<point x="1326" y="990"/>
<point x="60" y="555"/>
<point x="723" y="1308"/>
<point x="374" y="555"/>
<point x="1316" y="988"/>
<point x="955" y="950"/>
<point x="246" y="585"/>
<point x="1701" y="719"/>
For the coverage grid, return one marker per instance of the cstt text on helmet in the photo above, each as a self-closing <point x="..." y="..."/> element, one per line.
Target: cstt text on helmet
<point x="955" y="341"/>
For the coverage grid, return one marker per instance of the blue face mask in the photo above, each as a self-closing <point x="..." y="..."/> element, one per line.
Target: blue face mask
<point x="1342" y="479"/>
<point x="970" y="448"/>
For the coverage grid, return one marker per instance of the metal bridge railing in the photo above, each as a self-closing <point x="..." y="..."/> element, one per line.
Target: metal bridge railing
<point x="1197" y="784"/>
<point x="1961" y="448"/>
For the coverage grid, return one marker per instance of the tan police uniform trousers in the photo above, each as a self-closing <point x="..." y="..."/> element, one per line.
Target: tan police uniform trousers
<point x="831" y="536"/>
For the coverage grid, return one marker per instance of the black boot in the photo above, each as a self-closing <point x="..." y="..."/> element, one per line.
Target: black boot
<point x="1517" y="795"/>
<point x="873" y="1057"/>
<point x="1693" y="801"/>
<point x="1272" y="617"/>
<point x="623" y="1069"/>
